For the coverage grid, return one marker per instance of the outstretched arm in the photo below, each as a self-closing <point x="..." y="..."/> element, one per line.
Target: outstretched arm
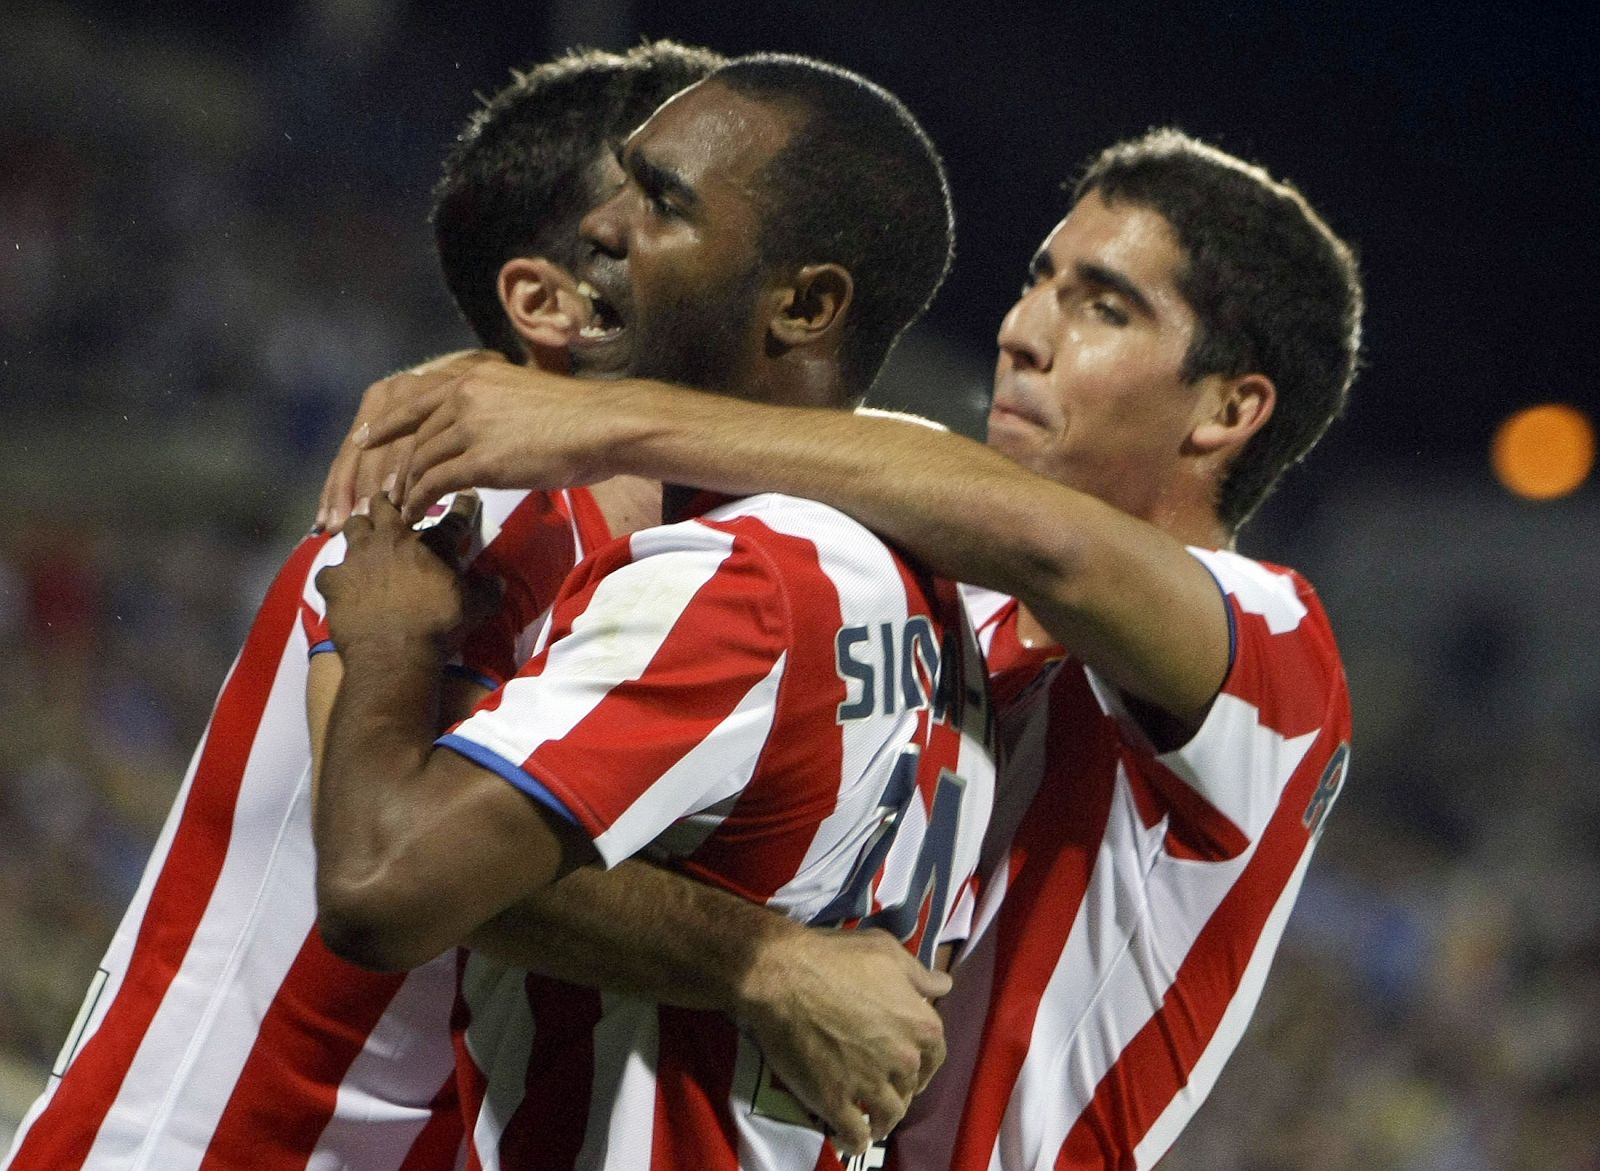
<point x="1112" y="589"/>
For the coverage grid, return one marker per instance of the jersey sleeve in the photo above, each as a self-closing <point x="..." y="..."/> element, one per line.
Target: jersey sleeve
<point x="655" y="692"/>
<point x="313" y="608"/>
<point x="1284" y="698"/>
<point x="530" y="541"/>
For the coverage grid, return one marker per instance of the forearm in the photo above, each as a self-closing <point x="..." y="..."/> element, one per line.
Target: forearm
<point x="646" y="932"/>
<point x="967" y="512"/>
<point x="371" y="787"/>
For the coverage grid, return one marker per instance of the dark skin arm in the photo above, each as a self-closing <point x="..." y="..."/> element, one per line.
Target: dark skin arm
<point x="396" y="818"/>
<point x="842" y="1017"/>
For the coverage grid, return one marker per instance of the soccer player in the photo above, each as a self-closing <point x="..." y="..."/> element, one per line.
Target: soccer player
<point x="1174" y="715"/>
<point x="762" y="695"/>
<point x="220" y="1032"/>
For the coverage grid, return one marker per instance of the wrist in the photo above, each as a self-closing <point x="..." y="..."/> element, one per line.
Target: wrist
<point x="765" y="980"/>
<point x="389" y="650"/>
<point x="647" y="424"/>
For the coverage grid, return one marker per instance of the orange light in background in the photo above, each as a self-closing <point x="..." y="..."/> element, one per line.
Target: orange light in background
<point x="1544" y="452"/>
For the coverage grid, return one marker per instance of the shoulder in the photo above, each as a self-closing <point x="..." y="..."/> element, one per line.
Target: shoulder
<point x="1279" y="595"/>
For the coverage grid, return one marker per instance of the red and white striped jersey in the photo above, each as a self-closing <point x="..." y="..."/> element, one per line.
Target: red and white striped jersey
<point x="1132" y="900"/>
<point x="765" y="698"/>
<point x="220" y="1033"/>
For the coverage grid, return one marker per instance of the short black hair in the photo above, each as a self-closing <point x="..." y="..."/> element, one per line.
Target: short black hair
<point x="518" y="180"/>
<point x="1273" y="290"/>
<point x="859" y="184"/>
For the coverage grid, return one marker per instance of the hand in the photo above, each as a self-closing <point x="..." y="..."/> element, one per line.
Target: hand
<point x="844" y="1018"/>
<point x="362" y="470"/>
<point x="494" y="425"/>
<point x="392" y="585"/>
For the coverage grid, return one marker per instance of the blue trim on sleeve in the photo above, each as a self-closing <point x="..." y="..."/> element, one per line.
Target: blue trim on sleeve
<point x="512" y="773"/>
<point x="1233" y="622"/>
<point x="321" y="648"/>
<point x="461" y="670"/>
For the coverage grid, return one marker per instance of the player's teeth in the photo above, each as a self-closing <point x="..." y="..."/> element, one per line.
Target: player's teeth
<point x="588" y="291"/>
<point x="592" y="331"/>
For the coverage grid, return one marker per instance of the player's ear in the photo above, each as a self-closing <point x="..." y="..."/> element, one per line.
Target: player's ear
<point x="813" y="306"/>
<point x="1229" y="411"/>
<point x="542" y="303"/>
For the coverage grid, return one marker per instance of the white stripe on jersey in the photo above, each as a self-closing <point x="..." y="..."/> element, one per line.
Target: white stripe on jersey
<point x="201" y="1036"/>
<point x="627" y="1040"/>
<point x="1164" y="1132"/>
<point x="1258" y="589"/>
<point x="533" y="711"/>
<point x="500" y="1040"/>
<point x="724" y="756"/>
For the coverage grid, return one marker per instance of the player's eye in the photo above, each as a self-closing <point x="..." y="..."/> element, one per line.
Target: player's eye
<point x="1109" y="311"/>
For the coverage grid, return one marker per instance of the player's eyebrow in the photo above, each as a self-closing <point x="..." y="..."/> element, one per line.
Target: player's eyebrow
<point x="1109" y="278"/>
<point x="1041" y="267"/>
<point x="656" y="179"/>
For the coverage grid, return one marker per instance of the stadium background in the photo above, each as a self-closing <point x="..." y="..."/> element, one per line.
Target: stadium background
<point x="212" y="237"/>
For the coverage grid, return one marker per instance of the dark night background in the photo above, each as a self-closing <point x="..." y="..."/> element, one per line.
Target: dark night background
<point x="218" y="219"/>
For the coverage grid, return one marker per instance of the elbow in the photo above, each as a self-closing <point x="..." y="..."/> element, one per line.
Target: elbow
<point x="371" y="927"/>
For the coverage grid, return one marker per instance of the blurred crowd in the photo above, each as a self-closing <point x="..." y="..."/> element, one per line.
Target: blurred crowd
<point x="185" y="323"/>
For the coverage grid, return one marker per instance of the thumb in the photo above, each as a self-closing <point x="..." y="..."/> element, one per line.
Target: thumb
<point x="928" y="983"/>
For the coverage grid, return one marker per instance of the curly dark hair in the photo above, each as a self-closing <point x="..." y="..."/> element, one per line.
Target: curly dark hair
<point x="858" y="184"/>
<point x="1273" y="290"/>
<point x="519" y="177"/>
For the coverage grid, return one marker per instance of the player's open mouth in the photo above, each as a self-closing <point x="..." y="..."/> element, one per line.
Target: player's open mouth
<point x="604" y="321"/>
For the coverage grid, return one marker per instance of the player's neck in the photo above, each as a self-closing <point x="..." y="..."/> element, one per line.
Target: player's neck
<point x="629" y="503"/>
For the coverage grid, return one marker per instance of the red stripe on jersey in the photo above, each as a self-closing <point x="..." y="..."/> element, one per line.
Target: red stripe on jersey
<point x="749" y="854"/>
<point x="694" y="1126"/>
<point x="532" y="554"/>
<point x="547" y="1130"/>
<point x="62" y="1136"/>
<point x="1288" y="684"/>
<point x="645" y="737"/>
<point x="1063" y="830"/>
<point x="440" y="1141"/>
<point x="317" y="1024"/>
<point x="1157" y="1062"/>
<point x="471" y="1085"/>
<point x="1196" y="831"/>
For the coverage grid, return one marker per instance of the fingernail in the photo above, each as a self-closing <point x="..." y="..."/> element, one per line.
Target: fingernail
<point x="389" y="482"/>
<point x="363" y="433"/>
<point x="363" y="506"/>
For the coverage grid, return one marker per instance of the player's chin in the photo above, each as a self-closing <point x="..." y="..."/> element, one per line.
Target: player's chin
<point x="608" y="356"/>
<point x="1014" y="435"/>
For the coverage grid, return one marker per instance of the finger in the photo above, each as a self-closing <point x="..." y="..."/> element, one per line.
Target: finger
<point x="439" y="479"/>
<point x="415" y="400"/>
<point x="933" y="1055"/>
<point x="930" y="984"/>
<point x="337" y="495"/>
<point x="357" y="526"/>
<point x="851" y="1130"/>
<point x="436" y="440"/>
<point x="884" y="1109"/>
<point x="384" y="516"/>
<point x="378" y="464"/>
<point x="904" y="1070"/>
<point x="450" y="536"/>
<point x="341" y="489"/>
